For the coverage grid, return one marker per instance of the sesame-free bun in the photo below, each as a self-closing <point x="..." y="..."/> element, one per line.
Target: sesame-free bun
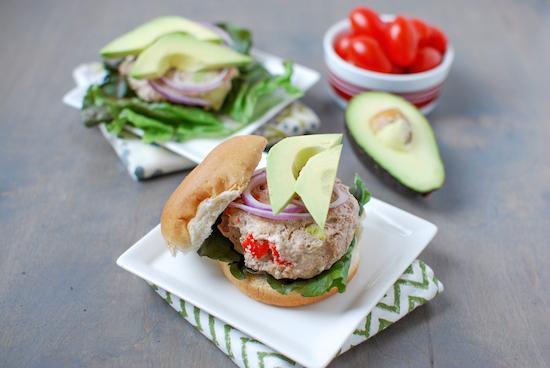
<point x="257" y="287"/>
<point x="206" y="191"/>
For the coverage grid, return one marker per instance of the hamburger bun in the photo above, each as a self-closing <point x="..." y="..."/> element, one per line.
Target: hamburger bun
<point x="192" y="210"/>
<point x="257" y="287"/>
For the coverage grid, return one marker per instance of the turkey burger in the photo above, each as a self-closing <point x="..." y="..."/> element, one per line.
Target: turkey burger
<point x="223" y="211"/>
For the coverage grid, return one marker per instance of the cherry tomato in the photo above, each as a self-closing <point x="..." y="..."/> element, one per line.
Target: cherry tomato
<point x="366" y="22"/>
<point x="342" y="43"/>
<point x="426" y="59"/>
<point x="398" y="70"/>
<point x="437" y="40"/>
<point x="400" y="41"/>
<point x="423" y="30"/>
<point x="365" y="52"/>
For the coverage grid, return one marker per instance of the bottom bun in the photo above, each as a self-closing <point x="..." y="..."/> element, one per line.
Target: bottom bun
<point x="257" y="287"/>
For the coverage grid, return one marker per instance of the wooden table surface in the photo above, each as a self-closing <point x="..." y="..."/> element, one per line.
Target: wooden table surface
<point x="68" y="209"/>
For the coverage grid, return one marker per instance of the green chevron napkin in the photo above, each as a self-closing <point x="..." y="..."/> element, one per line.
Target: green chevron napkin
<point x="416" y="286"/>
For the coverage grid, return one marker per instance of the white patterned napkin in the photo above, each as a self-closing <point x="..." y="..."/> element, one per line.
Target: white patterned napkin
<point x="416" y="286"/>
<point x="143" y="161"/>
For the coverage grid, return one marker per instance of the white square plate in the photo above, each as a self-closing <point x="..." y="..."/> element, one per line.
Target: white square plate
<point x="310" y="335"/>
<point x="197" y="149"/>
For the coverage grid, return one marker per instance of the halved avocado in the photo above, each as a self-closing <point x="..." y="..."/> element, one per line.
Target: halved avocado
<point x="387" y="132"/>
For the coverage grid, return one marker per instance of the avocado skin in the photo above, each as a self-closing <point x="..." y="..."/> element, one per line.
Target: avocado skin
<point x="384" y="175"/>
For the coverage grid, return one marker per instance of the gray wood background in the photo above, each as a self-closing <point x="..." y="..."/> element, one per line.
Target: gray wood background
<point x="68" y="209"/>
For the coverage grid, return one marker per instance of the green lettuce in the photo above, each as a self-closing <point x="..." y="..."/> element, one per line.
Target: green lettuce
<point x="242" y="38"/>
<point x="218" y="247"/>
<point x="160" y="121"/>
<point x="334" y="277"/>
<point x="153" y="130"/>
<point x="360" y="192"/>
<point x="255" y="91"/>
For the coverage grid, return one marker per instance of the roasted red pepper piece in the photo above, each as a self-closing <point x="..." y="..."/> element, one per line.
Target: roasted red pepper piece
<point x="277" y="257"/>
<point x="258" y="248"/>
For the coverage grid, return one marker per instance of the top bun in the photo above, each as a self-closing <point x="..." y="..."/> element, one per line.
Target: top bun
<point x="206" y="191"/>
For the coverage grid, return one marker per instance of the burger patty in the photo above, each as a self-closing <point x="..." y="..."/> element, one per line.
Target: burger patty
<point x="292" y="249"/>
<point x="140" y="87"/>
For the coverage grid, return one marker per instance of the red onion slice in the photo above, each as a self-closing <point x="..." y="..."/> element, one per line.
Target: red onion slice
<point x="269" y="215"/>
<point x="258" y="172"/>
<point x="296" y="210"/>
<point x="249" y="200"/>
<point x="340" y="197"/>
<point x="186" y="87"/>
<point x="220" y="32"/>
<point x="175" y="96"/>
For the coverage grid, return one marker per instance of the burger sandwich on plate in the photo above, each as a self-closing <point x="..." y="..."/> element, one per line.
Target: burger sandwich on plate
<point x="286" y="235"/>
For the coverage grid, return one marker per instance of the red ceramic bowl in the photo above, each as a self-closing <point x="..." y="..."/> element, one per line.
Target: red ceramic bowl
<point x="347" y="80"/>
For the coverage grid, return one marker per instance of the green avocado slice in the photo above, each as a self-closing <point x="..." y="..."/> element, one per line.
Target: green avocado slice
<point x="133" y="42"/>
<point x="183" y="52"/>
<point x="316" y="181"/>
<point x="389" y="132"/>
<point x="286" y="159"/>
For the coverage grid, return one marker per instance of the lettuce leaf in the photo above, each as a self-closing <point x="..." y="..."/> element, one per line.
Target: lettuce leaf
<point x="255" y="90"/>
<point x="173" y="114"/>
<point x="360" y="192"/>
<point x="115" y="84"/>
<point x="160" y="121"/>
<point x="162" y="111"/>
<point x="336" y="276"/>
<point x="218" y="247"/>
<point x="153" y="130"/>
<point x="242" y="38"/>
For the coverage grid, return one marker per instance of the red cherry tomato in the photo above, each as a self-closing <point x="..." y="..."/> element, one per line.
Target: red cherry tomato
<point x="366" y="22"/>
<point x="423" y="30"/>
<point x="342" y="43"/>
<point x="398" y="70"/>
<point x="366" y="53"/>
<point x="400" y="41"/>
<point x="437" y="40"/>
<point x="427" y="58"/>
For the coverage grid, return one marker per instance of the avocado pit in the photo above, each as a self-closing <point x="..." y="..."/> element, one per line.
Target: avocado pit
<point x="392" y="128"/>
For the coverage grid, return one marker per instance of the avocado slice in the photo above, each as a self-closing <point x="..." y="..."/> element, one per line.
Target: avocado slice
<point x="286" y="159"/>
<point x="181" y="51"/>
<point x="387" y="132"/>
<point x="315" y="182"/>
<point x="133" y="42"/>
